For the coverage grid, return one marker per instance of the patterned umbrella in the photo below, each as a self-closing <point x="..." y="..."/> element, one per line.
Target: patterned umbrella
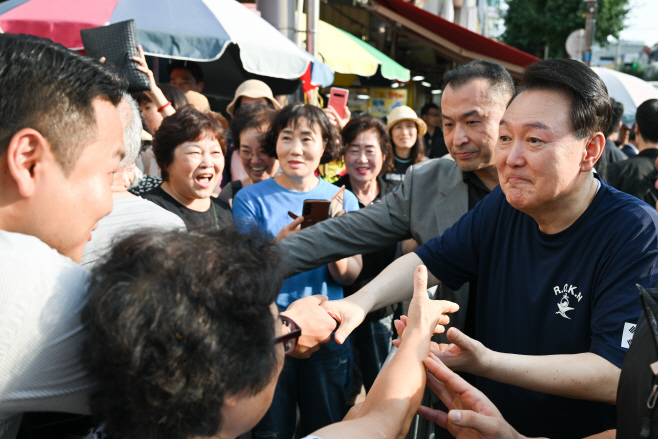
<point x="242" y="44"/>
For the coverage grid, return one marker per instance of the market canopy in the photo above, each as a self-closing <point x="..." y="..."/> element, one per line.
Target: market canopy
<point x="451" y="40"/>
<point x="196" y="30"/>
<point x="348" y="54"/>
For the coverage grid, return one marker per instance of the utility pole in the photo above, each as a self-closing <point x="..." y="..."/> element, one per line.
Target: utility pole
<point x="590" y="30"/>
<point x="312" y="24"/>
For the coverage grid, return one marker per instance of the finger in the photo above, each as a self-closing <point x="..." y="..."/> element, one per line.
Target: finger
<point x="444" y="393"/>
<point x="462" y="340"/>
<point x="449" y="378"/>
<point x="439" y="329"/>
<point x="399" y="327"/>
<point x="485" y="425"/>
<point x="346" y="327"/>
<point x="396" y="342"/>
<point x="444" y="319"/>
<point x="296" y="222"/>
<point x="140" y="50"/>
<point x="436" y="416"/>
<point x="420" y="283"/>
<point x="447" y="306"/>
<point x="102" y="60"/>
<point x="404" y="320"/>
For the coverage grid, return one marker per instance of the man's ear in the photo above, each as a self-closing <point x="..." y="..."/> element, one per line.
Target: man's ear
<point x="593" y="151"/>
<point x="26" y="150"/>
<point x="200" y="85"/>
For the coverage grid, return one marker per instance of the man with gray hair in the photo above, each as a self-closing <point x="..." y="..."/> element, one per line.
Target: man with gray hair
<point x="130" y="212"/>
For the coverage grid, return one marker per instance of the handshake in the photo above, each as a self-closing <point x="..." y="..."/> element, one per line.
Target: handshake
<point x="319" y="318"/>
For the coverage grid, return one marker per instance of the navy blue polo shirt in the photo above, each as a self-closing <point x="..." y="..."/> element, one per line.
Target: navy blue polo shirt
<point x="540" y="294"/>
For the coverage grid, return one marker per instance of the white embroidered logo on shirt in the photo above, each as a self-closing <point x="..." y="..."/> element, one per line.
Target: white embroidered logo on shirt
<point x="627" y="336"/>
<point x="563" y="304"/>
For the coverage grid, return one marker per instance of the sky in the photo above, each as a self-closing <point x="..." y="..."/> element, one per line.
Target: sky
<point x="642" y="22"/>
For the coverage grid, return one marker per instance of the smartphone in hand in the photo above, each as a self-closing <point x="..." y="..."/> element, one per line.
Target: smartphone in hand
<point x="314" y="211"/>
<point x="338" y="100"/>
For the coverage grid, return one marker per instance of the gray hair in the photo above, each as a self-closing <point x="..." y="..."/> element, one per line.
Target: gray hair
<point x="132" y="132"/>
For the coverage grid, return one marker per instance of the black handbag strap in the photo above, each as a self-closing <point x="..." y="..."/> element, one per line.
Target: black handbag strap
<point x="649" y="301"/>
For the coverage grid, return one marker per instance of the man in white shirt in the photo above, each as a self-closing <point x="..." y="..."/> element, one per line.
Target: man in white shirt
<point x="60" y="141"/>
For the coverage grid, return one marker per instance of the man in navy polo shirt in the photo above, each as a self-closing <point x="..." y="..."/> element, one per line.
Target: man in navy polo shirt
<point x="556" y="253"/>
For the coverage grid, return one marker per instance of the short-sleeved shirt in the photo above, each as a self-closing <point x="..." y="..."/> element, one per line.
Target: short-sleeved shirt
<point x="42" y="294"/>
<point x="128" y="215"/>
<point x="266" y="205"/>
<point x="539" y="294"/>
<point x="218" y="215"/>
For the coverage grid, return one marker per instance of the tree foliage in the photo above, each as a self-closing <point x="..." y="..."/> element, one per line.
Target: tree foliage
<point x="532" y="24"/>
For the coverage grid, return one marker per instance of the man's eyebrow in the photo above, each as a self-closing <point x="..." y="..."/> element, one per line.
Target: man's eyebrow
<point x="537" y="125"/>
<point x="465" y="115"/>
<point x="471" y="113"/>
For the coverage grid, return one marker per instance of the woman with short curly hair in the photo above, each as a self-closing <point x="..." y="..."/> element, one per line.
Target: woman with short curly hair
<point x="301" y="137"/>
<point x="189" y="148"/>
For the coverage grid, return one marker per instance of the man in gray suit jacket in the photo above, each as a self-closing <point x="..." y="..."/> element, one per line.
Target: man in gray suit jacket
<point x="433" y="195"/>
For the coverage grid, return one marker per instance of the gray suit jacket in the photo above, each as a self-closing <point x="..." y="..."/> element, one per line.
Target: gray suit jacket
<point x="431" y="198"/>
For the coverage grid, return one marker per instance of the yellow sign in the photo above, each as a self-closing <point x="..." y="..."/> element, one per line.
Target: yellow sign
<point x="384" y="100"/>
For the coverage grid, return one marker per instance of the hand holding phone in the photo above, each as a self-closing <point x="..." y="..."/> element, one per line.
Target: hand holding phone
<point x="338" y="100"/>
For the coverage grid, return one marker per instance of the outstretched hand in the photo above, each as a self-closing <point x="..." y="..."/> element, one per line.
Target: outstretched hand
<point x="464" y="353"/>
<point x="348" y="313"/>
<point x="471" y="414"/>
<point x="425" y="313"/>
<point x="314" y="321"/>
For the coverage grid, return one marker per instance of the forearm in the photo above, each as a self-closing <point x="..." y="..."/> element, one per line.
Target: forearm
<point x="394" y="397"/>
<point x="159" y="100"/>
<point x="394" y="284"/>
<point x="579" y="376"/>
<point x="346" y="270"/>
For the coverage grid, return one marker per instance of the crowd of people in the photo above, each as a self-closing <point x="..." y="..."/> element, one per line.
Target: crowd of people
<point x="158" y="273"/>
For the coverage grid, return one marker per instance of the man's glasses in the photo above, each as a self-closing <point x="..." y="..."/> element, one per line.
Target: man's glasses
<point x="289" y="340"/>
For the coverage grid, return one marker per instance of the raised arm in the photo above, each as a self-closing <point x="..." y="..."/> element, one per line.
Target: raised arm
<point x="395" y="396"/>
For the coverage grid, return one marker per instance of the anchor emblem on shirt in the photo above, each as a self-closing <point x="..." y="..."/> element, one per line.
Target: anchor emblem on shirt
<point x="563" y="307"/>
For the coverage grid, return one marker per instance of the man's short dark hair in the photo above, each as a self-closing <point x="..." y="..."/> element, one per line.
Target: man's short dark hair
<point x="193" y="67"/>
<point x="591" y="109"/>
<point x="291" y="115"/>
<point x="186" y="125"/>
<point x="49" y="88"/>
<point x="427" y="107"/>
<point x="617" y="114"/>
<point x="177" y="322"/>
<point x="496" y="74"/>
<point x="251" y="116"/>
<point x="646" y="118"/>
<point x="367" y="122"/>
